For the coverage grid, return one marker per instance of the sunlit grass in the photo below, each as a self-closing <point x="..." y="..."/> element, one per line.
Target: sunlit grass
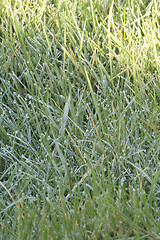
<point x="79" y="119"/>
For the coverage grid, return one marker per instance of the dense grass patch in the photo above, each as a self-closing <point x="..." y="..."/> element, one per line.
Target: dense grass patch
<point x="79" y="119"/>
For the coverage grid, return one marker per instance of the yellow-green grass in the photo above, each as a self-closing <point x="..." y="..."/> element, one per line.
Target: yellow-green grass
<point x="79" y="119"/>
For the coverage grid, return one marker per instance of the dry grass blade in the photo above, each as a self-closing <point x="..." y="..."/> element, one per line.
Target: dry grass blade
<point x="1" y="224"/>
<point x="9" y="194"/>
<point x="18" y="207"/>
<point x="93" y="123"/>
<point x="86" y="174"/>
<point x="149" y="125"/>
<point x="17" y="50"/>
<point x="71" y="56"/>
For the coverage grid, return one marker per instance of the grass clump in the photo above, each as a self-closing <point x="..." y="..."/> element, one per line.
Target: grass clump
<point x="79" y="119"/>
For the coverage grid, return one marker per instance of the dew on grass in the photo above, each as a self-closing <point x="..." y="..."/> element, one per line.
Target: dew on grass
<point x="47" y="198"/>
<point x="48" y="138"/>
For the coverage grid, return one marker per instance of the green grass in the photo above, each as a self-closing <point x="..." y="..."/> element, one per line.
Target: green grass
<point x="79" y="119"/>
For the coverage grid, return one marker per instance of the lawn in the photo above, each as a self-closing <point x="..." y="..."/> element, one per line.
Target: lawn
<point x="79" y="119"/>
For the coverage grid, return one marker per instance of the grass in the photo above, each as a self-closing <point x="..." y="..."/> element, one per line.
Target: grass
<point x="79" y="119"/>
